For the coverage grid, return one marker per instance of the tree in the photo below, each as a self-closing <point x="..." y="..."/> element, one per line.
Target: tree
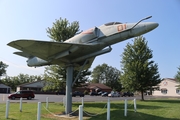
<point x="3" y="67"/>
<point x="107" y="75"/>
<point x="54" y="74"/>
<point x="139" y="72"/>
<point x="55" y="77"/>
<point x="177" y="76"/>
<point x="62" y="30"/>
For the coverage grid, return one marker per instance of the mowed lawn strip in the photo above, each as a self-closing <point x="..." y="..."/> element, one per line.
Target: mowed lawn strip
<point x="160" y="109"/>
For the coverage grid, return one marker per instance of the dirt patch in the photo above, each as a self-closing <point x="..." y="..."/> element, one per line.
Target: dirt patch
<point x="72" y="116"/>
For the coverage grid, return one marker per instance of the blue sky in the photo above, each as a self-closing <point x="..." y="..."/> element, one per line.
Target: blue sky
<point x="28" y="19"/>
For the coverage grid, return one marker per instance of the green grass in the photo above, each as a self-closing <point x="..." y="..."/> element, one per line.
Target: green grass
<point x="160" y="109"/>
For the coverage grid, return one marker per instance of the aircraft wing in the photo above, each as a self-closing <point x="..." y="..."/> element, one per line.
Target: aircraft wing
<point x="45" y="50"/>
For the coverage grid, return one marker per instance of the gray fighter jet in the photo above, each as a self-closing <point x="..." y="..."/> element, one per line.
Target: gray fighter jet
<point x="84" y="46"/>
<point x="79" y="51"/>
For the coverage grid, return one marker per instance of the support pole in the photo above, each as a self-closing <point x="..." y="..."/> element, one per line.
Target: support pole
<point x="20" y="107"/>
<point x="125" y="107"/>
<point x="3" y="97"/>
<point x="39" y="111"/>
<point x="108" y="109"/>
<point x="79" y="72"/>
<point x="69" y="77"/>
<point x="47" y="102"/>
<point x="7" y="109"/>
<point x="83" y="101"/>
<point x="135" y="105"/>
<point x="80" y="112"/>
<point x="64" y="101"/>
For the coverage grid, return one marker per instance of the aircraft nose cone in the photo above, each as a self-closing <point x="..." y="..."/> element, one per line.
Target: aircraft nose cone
<point x="150" y="26"/>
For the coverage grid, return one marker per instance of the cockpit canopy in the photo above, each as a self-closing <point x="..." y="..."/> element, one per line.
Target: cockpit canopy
<point x="112" y="23"/>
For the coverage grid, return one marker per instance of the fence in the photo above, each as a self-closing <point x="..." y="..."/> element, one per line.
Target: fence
<point x="80" y="108"/>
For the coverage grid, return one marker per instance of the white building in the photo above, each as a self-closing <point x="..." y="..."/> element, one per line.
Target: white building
<point x="168" y="87"/>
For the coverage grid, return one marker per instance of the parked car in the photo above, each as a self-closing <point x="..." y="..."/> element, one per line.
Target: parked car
<point x="60" y="93"/>
<point x="114" y="94"/>
<point x="127" y="94"/>
<point x="77" y="93"/>
<point x="22" y="94"/>
<point x="105" y="94"/>
<point x="100" y="93"/>
<point x="93" y="94"/>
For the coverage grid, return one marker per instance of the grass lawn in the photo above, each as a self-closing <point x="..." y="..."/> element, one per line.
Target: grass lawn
<point x="158" y="109"/>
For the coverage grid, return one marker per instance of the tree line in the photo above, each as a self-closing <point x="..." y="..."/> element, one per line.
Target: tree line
<point x="14" y="81"/>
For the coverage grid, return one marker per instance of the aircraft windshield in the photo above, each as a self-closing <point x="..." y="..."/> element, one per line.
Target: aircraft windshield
<point x="112" y="23"/>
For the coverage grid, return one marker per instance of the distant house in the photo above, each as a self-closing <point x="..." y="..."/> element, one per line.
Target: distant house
<point x="168" y="87"/>
<point x="35" y="86"/>
<point x="38" y="85"/>
<point x="99" y="86"/>
<point x="5" y="88"/>
<point x="93" y="87"/>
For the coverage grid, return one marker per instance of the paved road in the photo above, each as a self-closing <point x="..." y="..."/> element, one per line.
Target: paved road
<point x="59" y="98"/>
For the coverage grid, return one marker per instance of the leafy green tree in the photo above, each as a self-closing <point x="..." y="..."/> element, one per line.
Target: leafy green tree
<point x="107" y="75"/>
<point x="3" y="67"/>
<point x="62" y="30"/>
<point x="177" y="76"/>
<point x="54" y="74"/>
<point x="139" y="72"/>
<point x="55" y="77"/>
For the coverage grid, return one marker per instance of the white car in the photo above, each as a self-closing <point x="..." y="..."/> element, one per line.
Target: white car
<point x="114" y="94"/>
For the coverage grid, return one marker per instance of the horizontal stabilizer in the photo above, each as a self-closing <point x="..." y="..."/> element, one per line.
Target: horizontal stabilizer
<point x="23" y="54"/>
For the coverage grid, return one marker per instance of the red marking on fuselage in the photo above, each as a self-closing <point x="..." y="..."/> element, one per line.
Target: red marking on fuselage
<point x="90" y="31"/>
<point x="121" y="27"/>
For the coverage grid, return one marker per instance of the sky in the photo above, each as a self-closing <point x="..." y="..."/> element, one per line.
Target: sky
<point x="29" y="19"/>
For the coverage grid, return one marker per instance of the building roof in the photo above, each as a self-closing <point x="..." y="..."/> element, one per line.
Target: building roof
<point x="97" y="85"/>
<point x="4" y="86"/>
<point x="171" y="79"/>
<point x="38" y="83"/>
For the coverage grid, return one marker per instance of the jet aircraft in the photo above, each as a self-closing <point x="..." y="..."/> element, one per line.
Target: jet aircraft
<point x="79" y="51"/>
<point x="84" y="46"/>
